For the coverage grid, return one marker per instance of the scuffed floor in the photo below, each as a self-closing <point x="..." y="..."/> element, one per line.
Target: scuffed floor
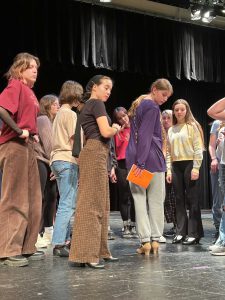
<point x="178" y="272"/>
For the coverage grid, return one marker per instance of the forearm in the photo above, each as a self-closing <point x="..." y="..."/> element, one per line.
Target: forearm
<point x="217" y="110"/>
<point x="5" y="116"/>
<point x="212" y="152"/>
<point x="196" y="165"/>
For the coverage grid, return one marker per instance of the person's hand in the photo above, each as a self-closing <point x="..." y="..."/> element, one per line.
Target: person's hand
<point x="214" y="165"/>
<point x="52" y="176"/>
<point x="112" y="175"/>
<point x="117" y="127"/>
<point x="169" y="178"/>
<point x="24" y="135"/>
<point x="137" y="171"/>
<point x="194" y="175"/>
<point x="36" y="138"/>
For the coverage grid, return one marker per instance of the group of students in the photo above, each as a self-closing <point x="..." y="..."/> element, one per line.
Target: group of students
<point x="68" y="147"/>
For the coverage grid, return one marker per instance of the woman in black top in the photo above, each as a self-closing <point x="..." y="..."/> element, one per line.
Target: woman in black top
<point x="89" y="241"/>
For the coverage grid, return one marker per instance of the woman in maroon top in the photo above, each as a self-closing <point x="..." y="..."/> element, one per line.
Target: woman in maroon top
<point x="20" y="205"/>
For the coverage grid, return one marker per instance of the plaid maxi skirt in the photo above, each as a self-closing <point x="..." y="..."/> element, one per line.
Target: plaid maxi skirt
<point x="89" y="240"/>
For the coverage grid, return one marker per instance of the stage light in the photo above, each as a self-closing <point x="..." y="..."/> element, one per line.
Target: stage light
<point x="206" y="10"/>
<point x="195" y="13"/>
<point x="208" y="16"/>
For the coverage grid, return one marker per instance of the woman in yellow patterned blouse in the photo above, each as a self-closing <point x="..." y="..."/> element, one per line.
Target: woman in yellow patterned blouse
<point x="184" y="159"/>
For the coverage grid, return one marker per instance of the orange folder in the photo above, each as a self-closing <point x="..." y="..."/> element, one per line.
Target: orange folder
<point x="143" y="180"/>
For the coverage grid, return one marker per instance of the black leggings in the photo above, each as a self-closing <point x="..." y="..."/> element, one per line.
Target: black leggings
<point x="49" y="196"/>
<point x="126" y="201"/>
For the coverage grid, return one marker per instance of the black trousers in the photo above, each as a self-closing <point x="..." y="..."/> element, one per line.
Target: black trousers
<point x="49" y="196"/>
<point x="126" y="201"/>
<point x="187" y="191"/>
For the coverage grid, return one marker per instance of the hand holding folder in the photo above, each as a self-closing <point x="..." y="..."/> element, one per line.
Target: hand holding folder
<point x="142" y="180"/>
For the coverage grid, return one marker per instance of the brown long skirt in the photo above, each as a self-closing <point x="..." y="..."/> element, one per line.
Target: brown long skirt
<point x="90" y="231"/>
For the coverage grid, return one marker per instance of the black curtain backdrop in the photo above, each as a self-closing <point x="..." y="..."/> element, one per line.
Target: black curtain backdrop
<point x="77" y="40"/>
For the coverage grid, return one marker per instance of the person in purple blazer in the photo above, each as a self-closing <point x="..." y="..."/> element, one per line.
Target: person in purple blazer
<point x="145" y="151"/>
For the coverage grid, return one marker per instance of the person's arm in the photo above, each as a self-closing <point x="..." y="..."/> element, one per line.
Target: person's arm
<point x="198" y="153"/>
<point x="112" y="162"/>
<point x="45" y="134"/>
<point x="105" y="129"/>
<point x="5" y="116"/>
<point x="217" y="110"/>
<point x="212" y="152"/>
<point x="168" y="161"/>
<point x="145" y="135"/>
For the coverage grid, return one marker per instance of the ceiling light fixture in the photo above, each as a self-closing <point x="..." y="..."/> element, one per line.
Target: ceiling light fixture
<point x="105" y="1"/>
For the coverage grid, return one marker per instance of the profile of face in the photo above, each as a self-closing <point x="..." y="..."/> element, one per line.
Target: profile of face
<point x="160" y="96"/>
<point x="180" y="112"/>
<point x="122" y="118"/>
<point x="54" y="108"/>
<point x="103" y="90"/>
<point x="29" y="76"/>
<point x="166" y="121"/>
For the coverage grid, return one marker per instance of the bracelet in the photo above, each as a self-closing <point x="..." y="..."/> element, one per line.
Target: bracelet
<point x="213" y="158"/>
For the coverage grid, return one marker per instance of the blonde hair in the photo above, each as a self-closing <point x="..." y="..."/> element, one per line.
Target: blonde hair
<point x="135" y="104"/>
<point x="168" y="112"/>
<point x="189" y="118"/>
<point x="45" y="105"/>
<point x="161" y="84"/>
<point x="21" y="63"/>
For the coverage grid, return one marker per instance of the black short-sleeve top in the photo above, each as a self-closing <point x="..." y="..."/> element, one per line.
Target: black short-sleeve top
<point x="92" y="110"/>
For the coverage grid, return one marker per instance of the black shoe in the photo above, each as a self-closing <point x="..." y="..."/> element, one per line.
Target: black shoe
<point x="15" y="261"/>
<point x="90" y="265"/>
<point x="111" y="235"/>
<point x="191" y="241"/>
<point x="38" y="255"/>
<point x="111" y="259"/>
<point x="95" y="265"/>
<point x="178" y="239"/>
<point x="62" y="251"/>
<point x="170" y="233"/>
<point x="76" y="264"/>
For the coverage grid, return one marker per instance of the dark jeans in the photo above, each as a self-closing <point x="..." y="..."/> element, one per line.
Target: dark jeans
<point x="126" y="201"/>
<point x="49" y="195"/>
<point x="187" y="191"/>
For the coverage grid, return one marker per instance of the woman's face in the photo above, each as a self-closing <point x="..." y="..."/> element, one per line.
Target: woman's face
<point x="167" y="121"/>
<point x="103" y="90"/>
<point x="54" y="108"/>
<point x="29" y="76"/>
<point x="180" y="112"/>
<point x="160" y="96"/>
<point x="122" y="118"/>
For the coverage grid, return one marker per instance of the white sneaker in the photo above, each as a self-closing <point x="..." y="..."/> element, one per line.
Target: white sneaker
<point x="213" y="247"/>
<point x="162" y="239"/>
<point x="41" y="243"/>
<point x="47" y="238"/>
<point x="219" y="251"/>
